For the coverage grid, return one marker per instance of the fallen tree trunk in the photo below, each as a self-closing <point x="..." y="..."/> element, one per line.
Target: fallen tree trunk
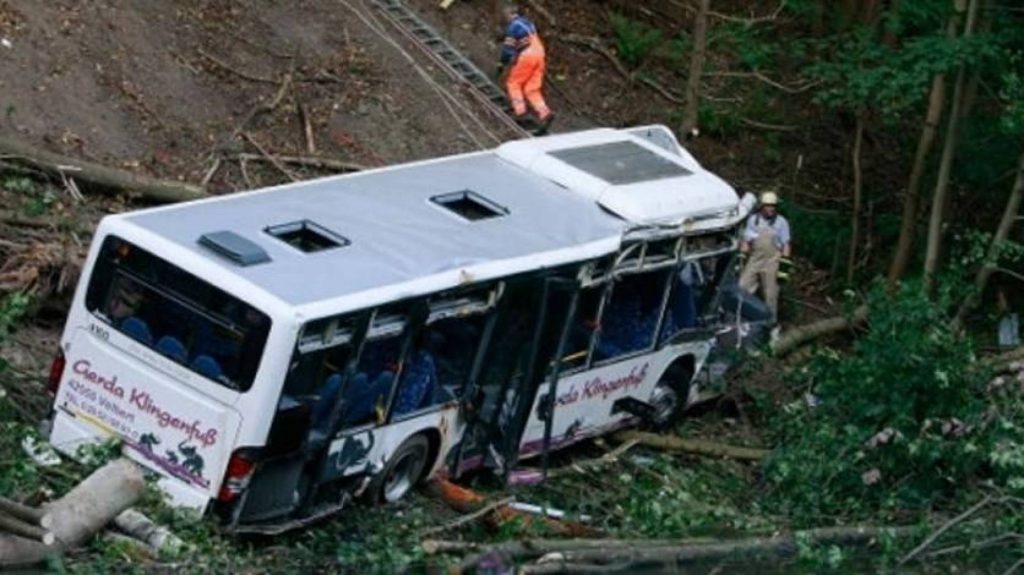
<point x="80" y="514"/>
<point x="527" y="548"/>
<point x="797" y="336"/>
<point x="609" y="556"/>
<point x="150" y="189"/>
<point x="694" y="446"/>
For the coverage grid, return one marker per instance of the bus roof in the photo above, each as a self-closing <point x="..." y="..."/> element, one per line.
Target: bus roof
<point x="457" y="219"/>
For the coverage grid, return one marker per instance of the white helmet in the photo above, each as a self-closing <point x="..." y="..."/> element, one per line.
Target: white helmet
<point x="769" y="199"/>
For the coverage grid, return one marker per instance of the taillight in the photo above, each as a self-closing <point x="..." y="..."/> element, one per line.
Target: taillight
<point x="240" y="468"/>
<point x="56" y="373"/>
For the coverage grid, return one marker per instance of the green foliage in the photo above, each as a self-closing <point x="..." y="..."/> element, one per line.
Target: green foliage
<point x="904" y="421"/>
<point x="898" y="422"/>
<point x="634" y="40"/>
<point x="822" y="234"/>
<point x="12" y="310"/>
<point x="36" y="198"/>
<point x="751" y="47"/>
<point x="16" y="474"/>
<point x="19" y="184"/>
<point x="865" y="73"/>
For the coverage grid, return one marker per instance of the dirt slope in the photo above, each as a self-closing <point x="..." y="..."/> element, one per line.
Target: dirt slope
<point x="157" y="86"/>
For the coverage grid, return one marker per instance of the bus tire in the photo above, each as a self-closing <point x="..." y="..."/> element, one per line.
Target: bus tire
<point x="670" y="395"/>
<point x="402" y="472"/>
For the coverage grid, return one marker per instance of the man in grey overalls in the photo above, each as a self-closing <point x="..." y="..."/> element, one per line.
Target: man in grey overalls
<point x="765" y="252"/>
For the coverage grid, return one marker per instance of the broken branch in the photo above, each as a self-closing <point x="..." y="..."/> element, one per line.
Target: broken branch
<point x="536" y="6"/>
<point x="661" y="90"/>
<point x="470" y="517"/>
<point x="759" y="76"/>
<point x="595" y="45"/>
<point x="306" y="161"/>
<point x="228" y="68"/>
<point x="307" y="128"/>
<point x="945" y="527"/>
<point x="273" y="160"/>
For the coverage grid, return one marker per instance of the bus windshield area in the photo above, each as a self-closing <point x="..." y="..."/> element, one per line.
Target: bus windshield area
<point x="177" y="314"/>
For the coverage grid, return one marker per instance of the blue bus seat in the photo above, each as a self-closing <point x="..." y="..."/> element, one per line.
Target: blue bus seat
<point x="207" y="366"/>
<point x="137" y="329"/>
<point x="172" y="347"/>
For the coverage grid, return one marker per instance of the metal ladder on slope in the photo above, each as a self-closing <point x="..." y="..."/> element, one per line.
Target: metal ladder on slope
<point x="453" y="61"/>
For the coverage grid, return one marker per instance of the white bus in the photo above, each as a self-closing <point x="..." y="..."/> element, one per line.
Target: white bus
<point x="269" y="355"/>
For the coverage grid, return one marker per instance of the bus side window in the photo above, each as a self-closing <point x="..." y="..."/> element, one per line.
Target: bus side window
<point x="584" y="328"/>
<point x="368" y="392"/>
<point x="316" y="378"/>
<point x="682" y="312"/>
<point x="440" y="362"/>
<point x="631" y="316"/>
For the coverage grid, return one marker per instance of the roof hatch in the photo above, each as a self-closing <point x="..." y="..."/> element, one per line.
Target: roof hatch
<point x="306" y="236"/>
<point x="234" y="247"/>
<point x="470" y="205"/>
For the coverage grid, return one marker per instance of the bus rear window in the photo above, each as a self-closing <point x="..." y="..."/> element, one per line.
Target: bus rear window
<point x="177" y="314"/>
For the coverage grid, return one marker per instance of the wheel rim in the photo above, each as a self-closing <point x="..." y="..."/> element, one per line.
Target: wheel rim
<point x="403" y="476"/>
<point x="665" y="401"/>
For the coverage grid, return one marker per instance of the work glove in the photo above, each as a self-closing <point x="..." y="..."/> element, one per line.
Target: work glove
<point x="498" y="71"/>
<point x="785" y="270"/>
<point x="741" y="261"/>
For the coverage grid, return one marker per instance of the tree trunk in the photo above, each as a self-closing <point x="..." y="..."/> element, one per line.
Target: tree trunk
<point x="908" y="222"/>
<point x="933" y="250"/>
<point x="697" y="57"/>
<point x="693" y="446"/>
<point x="858" y="188"/>
<point x="618" y="556"/>
<point x="105" y="178"/>
<point x="77" y="516"/>
<point x="796" y="336"/>
<point x="1010" y="215"/>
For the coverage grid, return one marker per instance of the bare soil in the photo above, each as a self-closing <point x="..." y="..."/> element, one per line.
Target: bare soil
<point x="159" y="86"/>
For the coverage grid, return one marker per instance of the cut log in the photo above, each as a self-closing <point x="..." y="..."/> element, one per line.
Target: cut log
<point x="16" y="526"/>
<point x="796" y="336"/>
<point x="103" y="177"/>
<point x="693" y="446"/>
<point x="26" y="513"/>
<point x="80" y="514"/>
<point x="156" y="536"/>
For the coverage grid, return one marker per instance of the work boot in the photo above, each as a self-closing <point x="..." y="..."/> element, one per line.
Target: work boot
<point x="545" y="125"/>
<point x="525" y="122"/>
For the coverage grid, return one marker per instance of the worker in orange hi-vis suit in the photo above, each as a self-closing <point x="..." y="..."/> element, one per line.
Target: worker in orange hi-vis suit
<point x="524" y="50"/>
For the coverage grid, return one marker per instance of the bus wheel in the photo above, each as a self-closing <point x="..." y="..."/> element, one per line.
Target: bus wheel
<point x="402" y="471"/>
<point x="670" y="394"/>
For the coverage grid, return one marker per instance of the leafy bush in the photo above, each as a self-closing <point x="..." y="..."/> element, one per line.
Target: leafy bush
<point x="634" y="40"/>
<point x="898" y="422"/>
